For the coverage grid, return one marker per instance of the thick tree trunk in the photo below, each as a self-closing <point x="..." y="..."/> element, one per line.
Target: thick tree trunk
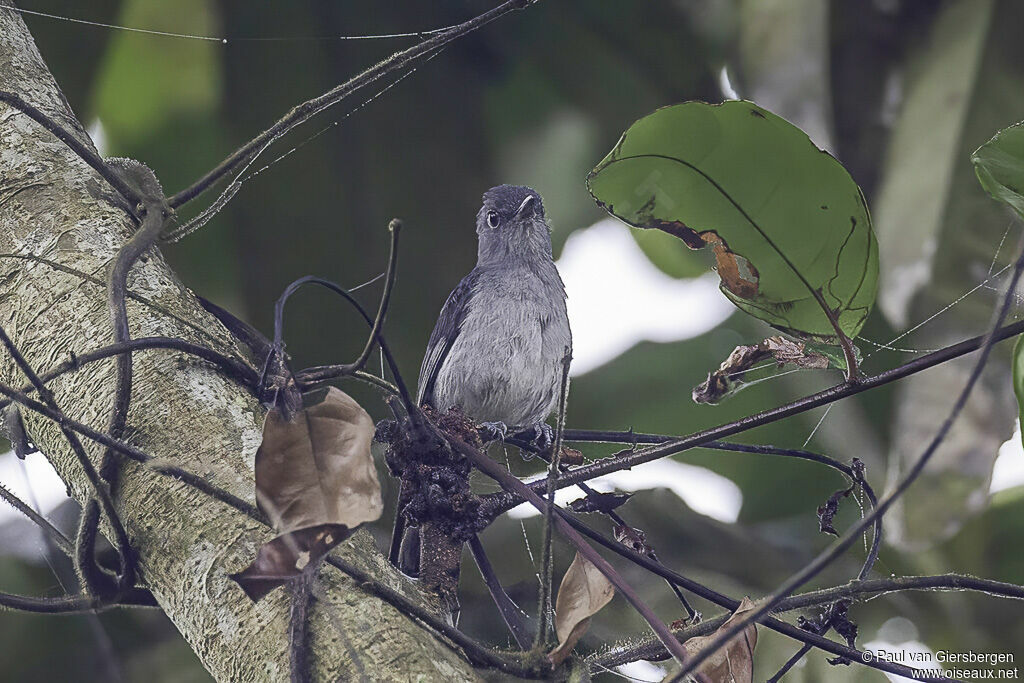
<point x="58" y="235"/>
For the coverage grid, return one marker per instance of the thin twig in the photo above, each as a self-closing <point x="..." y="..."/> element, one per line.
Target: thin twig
<point x="298" y="622"/>
<point x="395" y="227"/>
<point x="855" y="473"/>
<point x="53" y="532"/>
<point x="76" y="604"/>
<point x="232" y="368"/>
<point x="613" y="515"/>
<point x="547" y="559"/>
<point x="324" y="373"/>
<point x="310" y="108"/>
<point x="790" y="663"/>
<point x="510" y="612"/>
<point x="801" y="405"/>
<point x="825" y="558"/>
<point x="512" y="663"/>
<point x="84" y="153"/>
<point x="99" y="489"/>
<point x="507" y="480"/>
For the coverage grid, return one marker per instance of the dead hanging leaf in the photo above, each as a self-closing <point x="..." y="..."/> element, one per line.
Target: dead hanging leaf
<point x="733" y="663"/>
<point x="283" y="558"/>
<point x="317" y="468"/>
<point x="316" y="481"/>
<point x="599" y="502"/>
<point x="827" y="512"/>
<point x="584" y="590"/>
<point x="728" y="378"/>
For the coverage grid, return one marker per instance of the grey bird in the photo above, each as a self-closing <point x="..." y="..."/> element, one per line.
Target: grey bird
<point x="496" y="351"/>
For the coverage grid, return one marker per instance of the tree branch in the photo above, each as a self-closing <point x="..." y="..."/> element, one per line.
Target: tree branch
<point x="506" y="501"/>
<point x="310" y="108"/>
<point x="837" y="548"/>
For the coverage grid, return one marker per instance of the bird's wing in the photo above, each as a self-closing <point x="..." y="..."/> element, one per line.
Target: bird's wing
<point x="446" y="331"/>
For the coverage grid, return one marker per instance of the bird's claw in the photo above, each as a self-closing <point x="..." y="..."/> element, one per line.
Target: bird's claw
<point x="543" y="436"/>
<point x="493" y="431"/>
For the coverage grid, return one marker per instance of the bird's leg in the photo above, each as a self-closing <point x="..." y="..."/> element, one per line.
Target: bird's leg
<point x="492" y="431"/>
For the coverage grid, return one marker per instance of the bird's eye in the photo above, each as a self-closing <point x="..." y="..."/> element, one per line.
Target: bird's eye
<point x="492" y="219"/>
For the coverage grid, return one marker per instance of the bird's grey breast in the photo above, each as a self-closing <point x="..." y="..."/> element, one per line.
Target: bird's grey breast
<point x="505" y="364"/>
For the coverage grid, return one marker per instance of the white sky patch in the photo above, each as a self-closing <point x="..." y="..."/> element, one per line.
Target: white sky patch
<point x="704" y="491"/>
<point x="898" y="638"/>
<point x="1009" y="467"/>
<point x="618" y="298"/>
<point x="644" y="671"/>
<point x="46" y="486"/>
<point x="99" y="136"/>
<point x="725" y="84"/>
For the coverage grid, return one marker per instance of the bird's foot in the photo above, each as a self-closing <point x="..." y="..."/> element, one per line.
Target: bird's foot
<point x="492" y="431"/>
<point x="543" y="436"/>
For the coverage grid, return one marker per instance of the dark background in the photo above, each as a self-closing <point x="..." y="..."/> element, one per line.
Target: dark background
<point x="538" y="98"/>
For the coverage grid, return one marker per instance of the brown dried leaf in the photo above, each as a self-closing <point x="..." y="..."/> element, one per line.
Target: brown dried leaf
<point x="571" y="456"/>
<point x="728" y="378"/>
<point x="316" y="481"/>
<point x="600" y="502"/>
<point x="283" y="558"/>
<point x="733" y="663"/>
<point x="317" y="468"/>
<point x="584" y="590"/>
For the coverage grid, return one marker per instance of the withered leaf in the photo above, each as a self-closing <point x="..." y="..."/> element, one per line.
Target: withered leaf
<point x="728" y="378"/>
<point x="571" y="456"/>
<point x="316" y="481"/>
<point x="827" y="512"/>
<point x="733" y="663"/>
<point x="599" y="502"/>
<point x="632" y="538"/>
<point x="285" y="557"/>
<point x="317" y="468"/>
<point x="584" y="590"/>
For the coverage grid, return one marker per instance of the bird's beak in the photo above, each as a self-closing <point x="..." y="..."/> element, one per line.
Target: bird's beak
<point x="522" y="207"/>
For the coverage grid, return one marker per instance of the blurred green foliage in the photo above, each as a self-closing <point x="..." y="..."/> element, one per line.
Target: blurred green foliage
<point x="538" y="98"/>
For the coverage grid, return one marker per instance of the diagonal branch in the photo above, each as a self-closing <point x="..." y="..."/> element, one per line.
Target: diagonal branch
<point x="837" y="548"/>
<point x="303" y="112"/>
<point x="507" y="479"/>
<point x="700" y="439"/>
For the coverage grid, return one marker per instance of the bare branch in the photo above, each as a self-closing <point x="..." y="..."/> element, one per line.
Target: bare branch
<point x="99" y="489"/>
<point x="702" y="438"/>
<point x="506" y="479"/>
<point x="510" y="612"/>
<point x="310" y="108"/>
<point x="87" y="155"/>
<point x="18" y="504"/>
<point x="840" y="546"/>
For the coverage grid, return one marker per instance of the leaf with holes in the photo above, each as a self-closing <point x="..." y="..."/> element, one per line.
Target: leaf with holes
<point x="583" y="592"/>
<point x="733" y="663"/>
<point x="788" y="226"/>
<point x="315" y="481"/>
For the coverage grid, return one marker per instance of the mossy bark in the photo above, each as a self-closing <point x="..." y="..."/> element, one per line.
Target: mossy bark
<point x="59" y="232"/>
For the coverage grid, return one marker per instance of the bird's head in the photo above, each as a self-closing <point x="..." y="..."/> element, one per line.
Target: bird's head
<point x="511" y="224"/>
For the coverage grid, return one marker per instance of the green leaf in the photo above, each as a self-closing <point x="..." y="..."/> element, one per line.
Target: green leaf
<point x="788" y="225"/>
<point x="999" y="164"/>
<point x="1018" y="376"/>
